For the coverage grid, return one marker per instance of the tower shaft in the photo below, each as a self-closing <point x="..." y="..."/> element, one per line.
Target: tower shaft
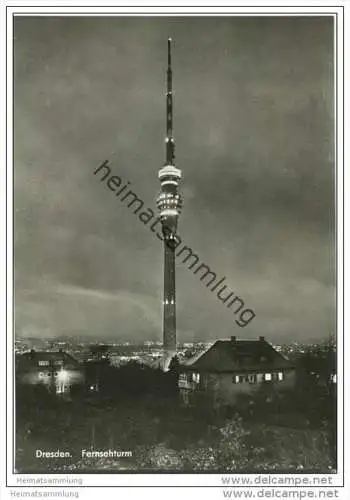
<point x="169" y="308"/>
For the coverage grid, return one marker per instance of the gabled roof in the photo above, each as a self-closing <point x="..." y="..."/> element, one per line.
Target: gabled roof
<point x="237" y="356"/>
<point x="29" y="360"/>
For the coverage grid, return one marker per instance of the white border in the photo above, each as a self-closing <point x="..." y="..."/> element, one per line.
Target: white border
<point x="109" y="8"/>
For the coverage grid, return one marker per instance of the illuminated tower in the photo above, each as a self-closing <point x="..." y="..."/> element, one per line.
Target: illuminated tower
<point x="169" y="204"/>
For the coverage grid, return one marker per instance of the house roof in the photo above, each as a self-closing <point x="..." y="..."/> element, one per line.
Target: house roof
<point x="237" y="356"/>
<point x="30" y="360"/>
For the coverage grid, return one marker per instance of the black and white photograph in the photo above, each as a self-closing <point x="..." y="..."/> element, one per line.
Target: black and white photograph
<point x="175" y="244"/>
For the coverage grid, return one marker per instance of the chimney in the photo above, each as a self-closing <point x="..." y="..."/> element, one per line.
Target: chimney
<point x="261" y="339"/>
<point x="233" y="338"/>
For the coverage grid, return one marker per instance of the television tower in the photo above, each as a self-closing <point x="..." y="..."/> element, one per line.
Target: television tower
<point x="169" y="203"/>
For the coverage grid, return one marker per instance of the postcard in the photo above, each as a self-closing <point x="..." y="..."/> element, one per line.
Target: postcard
<point x="175" y="207"/>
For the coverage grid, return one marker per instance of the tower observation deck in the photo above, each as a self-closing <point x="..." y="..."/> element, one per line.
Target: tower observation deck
<point x="169" y="202"/>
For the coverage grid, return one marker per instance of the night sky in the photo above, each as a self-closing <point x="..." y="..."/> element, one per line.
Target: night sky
<point x="253" y="120"/>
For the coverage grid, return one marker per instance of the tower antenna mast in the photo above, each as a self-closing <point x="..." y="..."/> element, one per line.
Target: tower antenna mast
<point x="170" y="145"/>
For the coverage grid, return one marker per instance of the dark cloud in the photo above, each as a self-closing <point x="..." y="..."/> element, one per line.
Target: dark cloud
<point x="254" y="137"/>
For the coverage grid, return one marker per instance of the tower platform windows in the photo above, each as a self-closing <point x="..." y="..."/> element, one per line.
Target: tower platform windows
<point x="170" y="171"/>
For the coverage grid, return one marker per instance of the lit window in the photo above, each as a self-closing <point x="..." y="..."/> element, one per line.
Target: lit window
<point x="43" y="363"/>
<point x="235" y="379"/>
<point x="268" y="376"/>
<point x="196" y="377"/>
<point x="280" y="376"/>
<point x="61" y="388"/>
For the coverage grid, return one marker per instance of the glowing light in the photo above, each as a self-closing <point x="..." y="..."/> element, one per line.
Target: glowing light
<point x="62" y="375"/>
<point x="175" y="183"/>
<point x="196" y="377"/>
<point x="169" y="170"/>
<point x="169" y="211"/>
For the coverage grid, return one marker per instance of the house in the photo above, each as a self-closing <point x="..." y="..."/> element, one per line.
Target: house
<point x="233" y="367"/>
<point x="58" y="371"/>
